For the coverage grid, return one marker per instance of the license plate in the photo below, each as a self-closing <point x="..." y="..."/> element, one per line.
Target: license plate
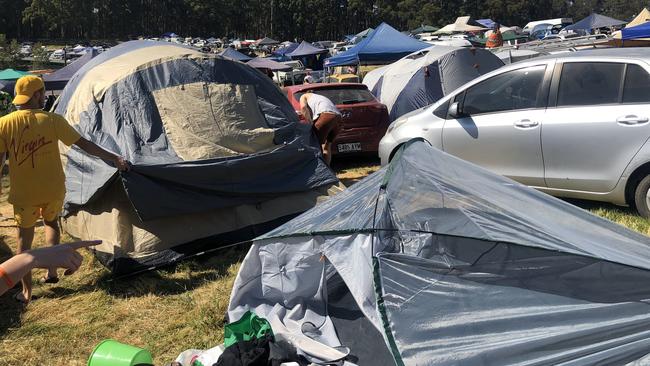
<point x="354" y="146"/>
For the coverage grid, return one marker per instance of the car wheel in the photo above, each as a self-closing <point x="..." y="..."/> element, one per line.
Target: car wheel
<point x="642" y="197"/>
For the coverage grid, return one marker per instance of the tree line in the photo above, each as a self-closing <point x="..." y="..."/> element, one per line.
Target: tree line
<point x="311" y="20"/>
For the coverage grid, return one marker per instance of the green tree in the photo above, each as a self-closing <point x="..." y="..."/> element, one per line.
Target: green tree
<point x="39" y="56"/>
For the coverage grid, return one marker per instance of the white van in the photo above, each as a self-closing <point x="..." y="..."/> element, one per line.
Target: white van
<point x="557" y="21"/>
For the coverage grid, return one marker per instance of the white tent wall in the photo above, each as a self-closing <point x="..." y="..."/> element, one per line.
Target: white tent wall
<point x="285" y="280"/>
<point x="372" y="78"/>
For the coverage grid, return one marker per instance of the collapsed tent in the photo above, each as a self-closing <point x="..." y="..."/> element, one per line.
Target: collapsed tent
<point x="232" y="54"/>
<point x="384" y="45"/>
<point x="218" y="155"/>
<point x="461" y="25"/>
<point x="435" y="261"/>
<point x="423" y="77"/>
<point x="595" y="21"/>
<point x="58" y="79"/>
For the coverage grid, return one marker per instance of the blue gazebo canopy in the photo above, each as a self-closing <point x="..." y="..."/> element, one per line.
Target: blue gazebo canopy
<point x="384" y="45"/>
<point x="305" y="49"/>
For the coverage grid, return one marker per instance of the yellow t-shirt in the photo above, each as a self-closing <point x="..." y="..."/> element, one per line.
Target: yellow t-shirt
<point x="31" y="138"/>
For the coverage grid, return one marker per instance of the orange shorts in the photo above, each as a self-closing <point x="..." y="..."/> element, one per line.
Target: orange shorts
<point x="327" y="126"/>
<point x="27" y="215"/>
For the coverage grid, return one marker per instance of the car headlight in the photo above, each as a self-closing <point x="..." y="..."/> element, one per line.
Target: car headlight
<point x="396" y="124"/>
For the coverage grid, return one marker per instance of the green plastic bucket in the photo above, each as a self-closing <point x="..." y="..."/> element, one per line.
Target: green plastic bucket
<point x="110" y="352"/>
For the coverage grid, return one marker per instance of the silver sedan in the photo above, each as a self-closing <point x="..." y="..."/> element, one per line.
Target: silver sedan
<point x="573" y="125"/>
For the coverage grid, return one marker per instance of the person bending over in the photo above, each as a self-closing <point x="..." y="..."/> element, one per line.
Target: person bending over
<point x="30" y="136"/>
<point x="326" y="120"/>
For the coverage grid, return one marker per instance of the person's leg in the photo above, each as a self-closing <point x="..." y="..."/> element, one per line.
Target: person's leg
<point x="25" y="238"/>
<point x="50" y="214"/>
<point x="52" y="238"/>
<point x="327" y="152"/>
<point x="26" y="219"/>
<point x="335" y="127"/>
<point x="323" y="127"/>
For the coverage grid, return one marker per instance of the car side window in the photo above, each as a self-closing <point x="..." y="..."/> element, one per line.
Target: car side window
<point x="589" y="83"/>
<point x="637" y="85"/>
<point x="512" y="90"/>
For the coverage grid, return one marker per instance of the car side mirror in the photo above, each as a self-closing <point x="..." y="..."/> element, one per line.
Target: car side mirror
<point x="455" y="110"/>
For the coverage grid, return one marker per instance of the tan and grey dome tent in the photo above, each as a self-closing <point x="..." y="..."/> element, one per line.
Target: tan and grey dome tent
<point x="218" y="155"/>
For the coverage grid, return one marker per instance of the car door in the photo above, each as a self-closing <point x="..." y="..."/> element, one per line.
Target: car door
<point x="599" y="122"/>
<point x="499" y="127"/>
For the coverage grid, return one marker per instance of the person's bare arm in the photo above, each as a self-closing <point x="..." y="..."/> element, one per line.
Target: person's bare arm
<point x="59" y="256"/>
<point x="92" y="149"/>
<point x="304" y="108"/>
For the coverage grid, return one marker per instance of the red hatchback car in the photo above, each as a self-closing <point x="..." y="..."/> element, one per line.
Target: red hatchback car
<point x="364" y="120"/>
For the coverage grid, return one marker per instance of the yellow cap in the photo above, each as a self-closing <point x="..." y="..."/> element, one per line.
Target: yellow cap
<point x="25" y="88"/>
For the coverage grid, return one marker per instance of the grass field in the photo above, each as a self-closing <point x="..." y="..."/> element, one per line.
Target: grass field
<point x="165" y="311"/>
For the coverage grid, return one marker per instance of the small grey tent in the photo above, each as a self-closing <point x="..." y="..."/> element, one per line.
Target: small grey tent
<point x="267" y="64"/>
<point x="595" y="21"/>
<point x="435" y="261"/>
<point x="232" y="54"/>
<point x="425" y="76"/>
<point x="218" y="155"/>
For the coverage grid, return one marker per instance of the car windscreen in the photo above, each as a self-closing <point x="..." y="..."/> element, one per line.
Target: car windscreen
<point x="343" y="95"/>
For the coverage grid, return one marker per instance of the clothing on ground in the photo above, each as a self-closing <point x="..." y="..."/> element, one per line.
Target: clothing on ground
<point x="248" y="327"/>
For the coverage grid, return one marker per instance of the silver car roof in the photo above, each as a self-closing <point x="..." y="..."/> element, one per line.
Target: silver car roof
<point x="639" y="53"/>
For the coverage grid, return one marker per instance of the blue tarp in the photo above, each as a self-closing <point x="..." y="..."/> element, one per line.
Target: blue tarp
<point x="305" y="49"/>
<point x="487" y="23"/>
<point x="639" y="31"/>
<point x="595" y="21"/>
<point x="384" y="45"/>
<point x="58" y="79"/>
<point x="233" y="54"/>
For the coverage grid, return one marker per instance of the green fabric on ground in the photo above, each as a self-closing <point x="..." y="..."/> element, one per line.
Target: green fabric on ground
<point x="249" y="327"/>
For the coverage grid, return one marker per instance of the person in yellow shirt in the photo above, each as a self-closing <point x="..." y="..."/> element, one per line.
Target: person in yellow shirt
<point x="30" y="136"/>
